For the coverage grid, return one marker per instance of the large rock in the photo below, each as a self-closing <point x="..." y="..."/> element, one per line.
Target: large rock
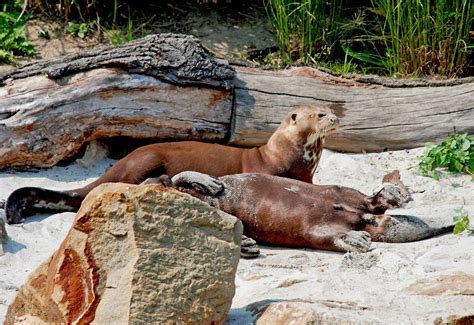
<point x="136" y="254"/>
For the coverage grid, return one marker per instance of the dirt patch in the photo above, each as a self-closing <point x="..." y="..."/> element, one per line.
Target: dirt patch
<point x="228" y="32"/>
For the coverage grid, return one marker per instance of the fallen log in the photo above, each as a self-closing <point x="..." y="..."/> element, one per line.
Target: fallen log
<point x="161" y="86"/>
<point x="376" y="113"/>
<point x="167" y="87"/>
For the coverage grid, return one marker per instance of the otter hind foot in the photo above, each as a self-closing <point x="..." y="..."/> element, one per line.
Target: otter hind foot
<point x="406" y="228"/>
<point x="354" y="241"/>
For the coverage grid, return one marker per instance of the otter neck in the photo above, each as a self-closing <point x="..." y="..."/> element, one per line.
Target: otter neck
<point x="312" y="150"/>
<point x="298" y="154"/>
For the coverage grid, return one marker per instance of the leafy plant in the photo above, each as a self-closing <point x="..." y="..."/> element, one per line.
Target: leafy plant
<point x="78" y="29"/>
<point x="462" y="222"/>
<point x="456" y="154"/>
<point x="12" y="37"/>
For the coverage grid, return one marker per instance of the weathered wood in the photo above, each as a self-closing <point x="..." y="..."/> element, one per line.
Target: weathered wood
<point x="166" y="86"/>
<point x="375" y="116"/>
<point x="157" y="87"/>
<point x="175" y="58"/>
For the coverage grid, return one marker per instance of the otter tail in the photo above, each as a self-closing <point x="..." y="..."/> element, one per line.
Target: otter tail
<point x="27" y="201"/>
<point x="404" y="228"/>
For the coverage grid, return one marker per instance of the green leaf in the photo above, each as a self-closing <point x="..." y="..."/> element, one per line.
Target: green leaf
<point x="461" y="221"/>
<point x="461" y="225"/>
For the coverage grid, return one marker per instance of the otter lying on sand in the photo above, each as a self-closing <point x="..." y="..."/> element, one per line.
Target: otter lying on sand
<point x="286" y="212"/>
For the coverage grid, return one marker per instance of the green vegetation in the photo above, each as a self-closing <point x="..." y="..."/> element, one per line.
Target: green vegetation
<point x="305" y="30"/>
<point x="391" y="37"/>
<point x="117" y="36"/>
<point x="409" y="38"/>
<point x="456" y="155"/>
<point x="424" y="37"/>
<point x="12" y="37"/>
<point x="78" y="30"/>
<point x="462" y="222"/>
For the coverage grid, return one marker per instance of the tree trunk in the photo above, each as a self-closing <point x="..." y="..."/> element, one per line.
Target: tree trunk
<point x="167" y="87"/>
<point x="162" y="86"/>
<point x="376" y="113"/>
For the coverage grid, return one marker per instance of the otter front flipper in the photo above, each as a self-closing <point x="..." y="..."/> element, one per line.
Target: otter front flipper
<point x="27" y="201"/>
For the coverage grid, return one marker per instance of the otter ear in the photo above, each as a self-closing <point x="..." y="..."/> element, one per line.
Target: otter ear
<point x="293" y="118"/>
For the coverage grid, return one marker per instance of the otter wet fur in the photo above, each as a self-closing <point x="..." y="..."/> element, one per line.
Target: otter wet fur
<point x="293" y="151"/>
<point x="287" y="212"/>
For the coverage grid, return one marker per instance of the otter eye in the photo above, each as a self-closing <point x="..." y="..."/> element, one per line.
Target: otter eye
<point x="321" y="115"/>
<point x="293" y="116"/>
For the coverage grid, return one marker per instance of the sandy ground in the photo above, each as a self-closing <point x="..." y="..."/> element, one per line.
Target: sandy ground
<point x="356" y="288"/>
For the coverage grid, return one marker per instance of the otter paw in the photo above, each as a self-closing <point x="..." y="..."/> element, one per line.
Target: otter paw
<point x="249" y="248"/>
<point x="354" y="241"/>
<point x="200" y="182"/>
<point x="395" y="195"/>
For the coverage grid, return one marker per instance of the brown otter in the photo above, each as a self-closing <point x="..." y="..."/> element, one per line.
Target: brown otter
<point x="292" y="151"/>
<point x="288" y="212"/>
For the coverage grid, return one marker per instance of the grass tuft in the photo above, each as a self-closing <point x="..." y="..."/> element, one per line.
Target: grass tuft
<point x="425" y="37"/>
<point x="306" y="30"/>
<point x="392" y="37"/>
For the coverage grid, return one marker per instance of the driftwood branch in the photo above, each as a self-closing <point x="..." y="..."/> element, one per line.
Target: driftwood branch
<point x="167" y="87"/>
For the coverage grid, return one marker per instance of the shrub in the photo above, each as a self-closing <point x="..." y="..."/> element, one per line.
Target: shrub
<point x="12" y="37"/>
<point x="456" y="154"/>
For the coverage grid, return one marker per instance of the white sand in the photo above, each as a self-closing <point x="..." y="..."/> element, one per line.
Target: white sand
<point x="367" y="287"/>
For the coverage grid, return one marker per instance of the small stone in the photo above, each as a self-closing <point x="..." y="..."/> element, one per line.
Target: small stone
<point x="3" y="235"/>
<point x="456" y="284"/>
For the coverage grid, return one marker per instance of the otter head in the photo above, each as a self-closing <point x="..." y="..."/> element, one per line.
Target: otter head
<point x="309" y="125"/>
<point x="312" y="122"/>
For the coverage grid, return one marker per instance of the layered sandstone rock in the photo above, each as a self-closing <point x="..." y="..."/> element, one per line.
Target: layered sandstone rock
<point x="299" y="312"/>
<point x="454" y="284"/>
<point x="136" y="254"/>
<point x="281" y="313"/>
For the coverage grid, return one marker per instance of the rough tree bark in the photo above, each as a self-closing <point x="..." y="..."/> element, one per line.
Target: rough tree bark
<point x="167" y="86"/>
<point x="162" y="86"/>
